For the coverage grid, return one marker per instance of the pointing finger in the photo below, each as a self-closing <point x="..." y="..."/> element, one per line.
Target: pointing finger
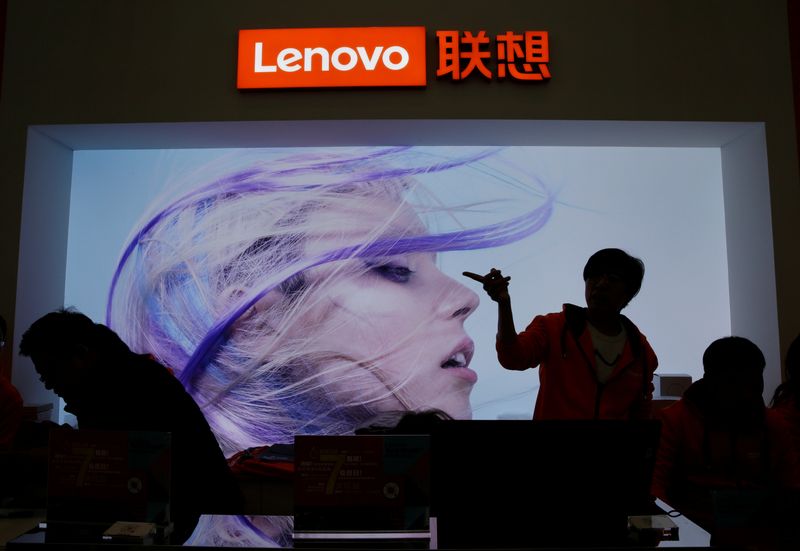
<point x="476" y="277"/>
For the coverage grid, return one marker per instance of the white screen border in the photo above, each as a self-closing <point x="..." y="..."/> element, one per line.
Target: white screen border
<point x="742" y="146"/>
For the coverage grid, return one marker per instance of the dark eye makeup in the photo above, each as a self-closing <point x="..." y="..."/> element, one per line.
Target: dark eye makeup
<point x="391" y="271"/>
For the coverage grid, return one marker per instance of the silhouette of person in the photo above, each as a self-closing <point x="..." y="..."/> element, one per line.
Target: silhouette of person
<point x="594" y="363"/>
<point x="108" y="387"/>
<point x="786" y="400"/>
<point x="10" y="422"/>
<point x="720" y="440"/>
<point x="405" y="422"/>
<point x="10" y="401"/>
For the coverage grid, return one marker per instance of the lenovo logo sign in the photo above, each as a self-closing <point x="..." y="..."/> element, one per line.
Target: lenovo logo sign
<point x="333" y="57"/>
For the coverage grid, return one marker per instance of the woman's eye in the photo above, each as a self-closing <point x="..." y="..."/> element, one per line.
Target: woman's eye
<point x="392" y="272"/>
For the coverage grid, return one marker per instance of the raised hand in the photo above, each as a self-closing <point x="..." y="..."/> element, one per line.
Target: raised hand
<point x="494" y="283"/>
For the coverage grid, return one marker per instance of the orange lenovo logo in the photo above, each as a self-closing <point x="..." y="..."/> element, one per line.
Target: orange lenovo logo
<point x="358" y="56"/>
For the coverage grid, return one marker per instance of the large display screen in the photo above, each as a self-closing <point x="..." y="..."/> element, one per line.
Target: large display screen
<point x="304" y="290"/>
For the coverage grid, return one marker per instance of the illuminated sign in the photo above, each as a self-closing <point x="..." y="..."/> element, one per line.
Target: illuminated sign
<point x="385" y="56"/>
<point x="519" y="56"/>
<point x="338" y="57"/>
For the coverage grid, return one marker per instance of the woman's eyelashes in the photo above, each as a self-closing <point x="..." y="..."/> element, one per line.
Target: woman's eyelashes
<point x="391" y="271"/>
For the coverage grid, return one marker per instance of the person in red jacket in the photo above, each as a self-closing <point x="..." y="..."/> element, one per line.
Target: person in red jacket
<point x="10" y="402"/>
<point x="786" y="400"/>
<point x="721" y="449"/>
<point x="594" y="363"/>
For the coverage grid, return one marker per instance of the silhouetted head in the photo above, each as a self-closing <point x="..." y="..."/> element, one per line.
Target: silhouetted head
<point x="66" y="347"/>
<point x="405" y="422"/>
<point x="613" y="278"/>
<point x="3" y="332"/>
<point x="792" y="361"/>
<point x="789" y="390"/>
<point x="733" y="368"/>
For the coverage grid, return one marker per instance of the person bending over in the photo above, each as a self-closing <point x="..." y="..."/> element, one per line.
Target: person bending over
<point x="108" y="387"/>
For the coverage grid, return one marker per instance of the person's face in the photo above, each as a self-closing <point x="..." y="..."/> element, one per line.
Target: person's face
<point x="400" y="320"/>
<point x="606" y="293"/>
<point x="66" y="376"/>
<point x="737" y="391"/>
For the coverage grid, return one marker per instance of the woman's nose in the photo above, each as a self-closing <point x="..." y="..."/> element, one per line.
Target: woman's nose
<point x="459" y="302"/>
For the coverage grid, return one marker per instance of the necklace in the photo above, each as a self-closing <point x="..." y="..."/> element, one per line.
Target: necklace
<point x="605" y="361"/>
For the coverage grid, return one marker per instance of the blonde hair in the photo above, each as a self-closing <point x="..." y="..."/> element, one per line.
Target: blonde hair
<point x="222" y="285"/>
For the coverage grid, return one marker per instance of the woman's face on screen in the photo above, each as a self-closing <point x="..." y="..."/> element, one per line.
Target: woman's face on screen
<point x="399" y="321"/>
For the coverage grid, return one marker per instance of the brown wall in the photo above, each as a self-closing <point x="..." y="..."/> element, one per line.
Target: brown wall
<point x="113" y="61"/>
<point x="793" y="9"/>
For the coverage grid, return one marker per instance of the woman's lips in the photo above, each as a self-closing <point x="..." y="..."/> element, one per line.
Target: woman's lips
<point x="464" y="373"/>
<point x="458" y="360"/>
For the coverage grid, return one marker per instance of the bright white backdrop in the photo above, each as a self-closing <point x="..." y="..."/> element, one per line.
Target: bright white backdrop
<point x="662" y="204"/>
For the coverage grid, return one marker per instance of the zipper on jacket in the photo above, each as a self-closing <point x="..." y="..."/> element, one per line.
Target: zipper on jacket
<point x="597" y="397"/>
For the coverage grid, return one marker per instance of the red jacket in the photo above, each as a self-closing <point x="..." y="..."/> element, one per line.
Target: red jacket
<point x="10" y="412"/>
<point x="789" y="410"/>
<point x="698" y="455"/>
<point x="561" y="346"/>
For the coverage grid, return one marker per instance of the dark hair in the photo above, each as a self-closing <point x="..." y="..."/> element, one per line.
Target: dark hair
<point x="791" y="386"/>
<point x="732" y="354"/>
<point x="61" y="331"/>
<point x="405" y="422"/>
<point x="3" y="329"/>
<point x="792" y="361"/>
<point x="618" y="262"/>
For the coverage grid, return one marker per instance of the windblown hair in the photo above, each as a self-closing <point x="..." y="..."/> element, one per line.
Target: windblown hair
<point x="192" y="282"/>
